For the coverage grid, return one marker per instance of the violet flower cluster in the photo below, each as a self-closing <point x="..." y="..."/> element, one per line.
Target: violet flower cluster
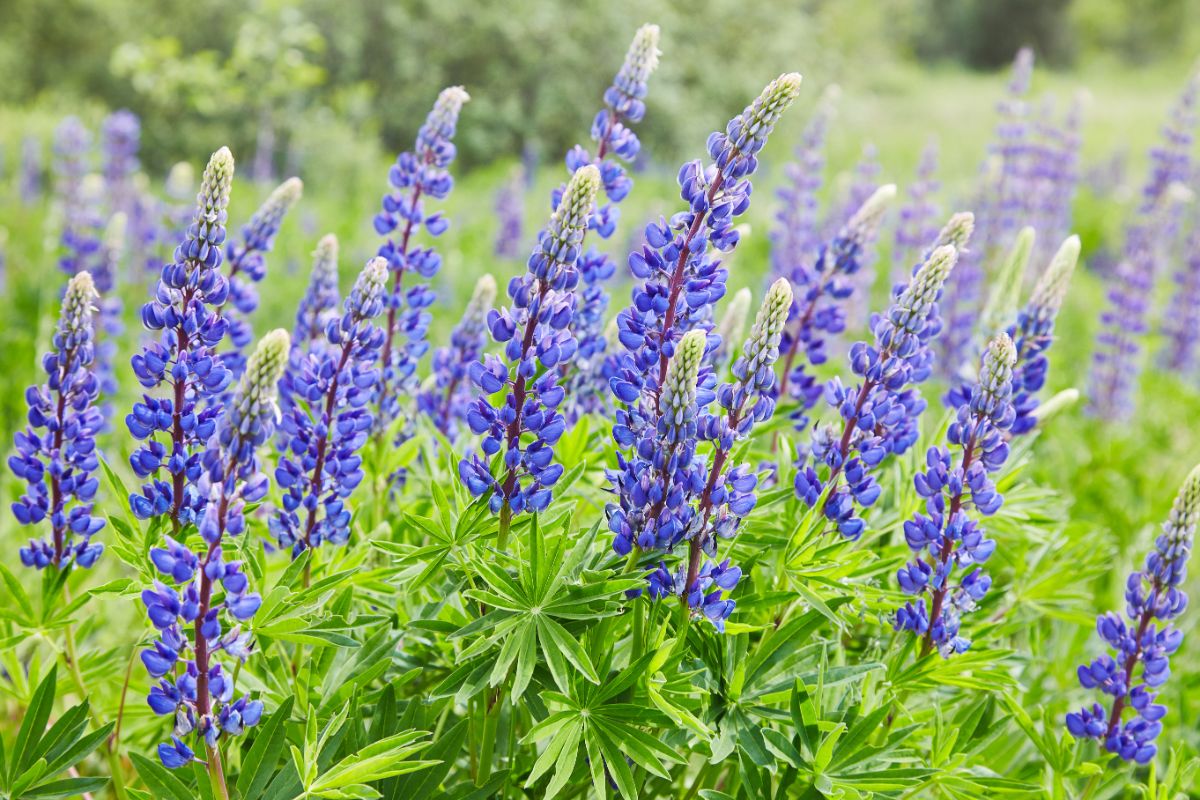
<point x="175" y="425"/>
<point x="817" y="312"/>
<point x="447" y="397"/>
<point x="248" y="266"/>
<point x="510" y="212"/>
<point x="880" y="414"/>
<point x="419" y="175"/>
<point x="1032" y="334"/>
<point x="120" y="140"/>
<point x="945" y="530"/>
<point x="329" y="420"/>
<point x="796" y="238"/>
<point x="319" y="305"/>
<point x="1117" y="362"/>
<point x="1153" y="597"/>
<point x="1182" y="321"/>
<point x="55" y="456"/>
<point x="615" y="143"/>
<point x="204" y="616"/>
<point x="537" y="338"/>
<point x="917" y="226"/>
<point x="30" y="181"/>
<point x="81" y="218"/>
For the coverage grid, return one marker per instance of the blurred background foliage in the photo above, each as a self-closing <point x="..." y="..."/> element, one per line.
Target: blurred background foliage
<point x="286" y="79"/>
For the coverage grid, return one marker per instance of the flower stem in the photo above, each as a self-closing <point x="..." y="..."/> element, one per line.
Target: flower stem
<point x="216" y="774"/>
<point x="505" y="525"/>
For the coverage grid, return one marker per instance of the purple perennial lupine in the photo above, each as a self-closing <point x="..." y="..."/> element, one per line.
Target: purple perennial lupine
<point x="879" y="415"/>
<point x="448" y="395"/>
<point x="523" y="430"/>
<point x="31" y="170"/>
<point x="822" y="287"/>
<point x="1153" y="598"/>
<point x="107" y="265"/>
<point x="81" y="218"/>
<point x="120" y="140"/>
<point x="615" y="143"/>
<point x="319" y="304"/>
<point x="248" y="266"/>
<point x="1182" y="321"/>
<point x="183" y="361"/>
<point x="56" y="454"/>
<point x="418" y="175"/>
<point x="1117" y="362"/>
<point x="795" y="238"/>
<point x="917" y="225"/>
<point x="1032" y="334"/>
<point x="679" y="266"/>
<point x="200" y="696"/>
<point x="510" y="213"/>
<point x="950" y="487"/>
<point x="329" y="420"/>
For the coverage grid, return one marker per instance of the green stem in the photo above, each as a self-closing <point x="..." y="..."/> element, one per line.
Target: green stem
<point x="491" y="721"/>
<point x="505" y="525"/>
<point x="216" y="774"/>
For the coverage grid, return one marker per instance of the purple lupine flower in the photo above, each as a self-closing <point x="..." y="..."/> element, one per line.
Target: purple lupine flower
<point x="817" y="310"/>
<point x="863" y="184"/>
<point x="106" y="268"/>
<point x="320" y="301"/>
<point x="329" y="420"/>
<point x="248" y="266"/>
<point x="534" y="331"/>
<point x="880" y="415"/>
<point x="1117" y="362"/>
<point x="510" y="212"/>
<point x="682" y="277"/>
<point x="200" y="696"/>
<point x="31" y="170"/>
<point x="729" y="494"/>
<point x="655" y="486"/>
<point x="120" y="139"/>
<point x="917" y="226"/>
<point x="420" y="174"/>
<point x="1054" y="175"/>
<point x="796" y="238"/>
<point x="1182" y="321"/>
<point x="448" y="396"/>
<point x="1153" y="597"/>
<point x="189" y="291"/>
<point x="1032" y="334"/>
<point x="950" y="487"/>
<point x="615" y="142"/>
<point x="56" y="454"/>
<point x="81" y="217"/>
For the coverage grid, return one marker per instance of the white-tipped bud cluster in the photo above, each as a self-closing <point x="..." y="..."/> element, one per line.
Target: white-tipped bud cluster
<point x="1051" y="288"/>
<point x="762" y="346"/>
<point x="917" y="299"/>
<point x="957" y="231"/>
<point x="1005" y="294"/>
<point x="640" y="60"/>
<point x="259" y="385"/>
<point x="864" y="225"/>
<point x="679" y="389"/>
<point x="995" y="376"/>
<point x="180" y="180"/>
<point x="75" y="321"/>
<point x="483" y="296"/>
<point x="213" y="199"/>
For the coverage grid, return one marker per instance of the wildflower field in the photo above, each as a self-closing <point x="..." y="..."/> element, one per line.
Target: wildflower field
<point x="829" y="462"/>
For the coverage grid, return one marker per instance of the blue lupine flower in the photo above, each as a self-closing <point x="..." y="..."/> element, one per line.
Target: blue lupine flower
<point x="1153" y="597"/>
<point x="1033" y="333"/>
<point x="655" y="485"/>
<point x="1181" y="323"/>
<point x="200" y="696"/>
<point x="796" y="238"/>
<point x="880" y="415"/>
<point x="120" y="139"/>
<point x="615" y="143"/>
<point x="945" y="529"/>
<point x="183" y="361"/>
<point x="1056" y="174"/>
<point x="817" y="311"/>
<point x="81" y="218"/>
<point x="320" y="301"/>
<point x="106" y="266"/>
<point x="416" y="176"/>
<point x="682" y="277"/>
<point x="329" y="420"/>
<point x="447" y="397"/>
<point x="535" y="330"/>
<point x="917" y="225"/>
<point x="56" y="454"/>
<point x="510" y="212"/>
<point x="247" y="266"/>
<point x="31" y="170"/>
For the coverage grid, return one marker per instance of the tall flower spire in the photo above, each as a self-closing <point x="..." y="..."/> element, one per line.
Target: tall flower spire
<point x="795" y="238"/>
<point x="56" y="454"/>
<point x="184" y="310"/>
<point x="448" y="397"/>
<point x="1153" y="598"/>
<point x="534" y="331"/>
<point x="418" y="175"/>
<point x="917" y="226"/>
<point x="320" y="301"/>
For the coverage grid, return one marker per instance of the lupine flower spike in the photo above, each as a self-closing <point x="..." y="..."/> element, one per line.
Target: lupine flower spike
<point x="951" y="486"/>
<point x="183" y="361"/>
<point x="329" y="421"/>
<point x="795" y="238"/>
<point x="731" y="327"/>
<point x="448" y="397"/>
<point x="880" y="415"/>
<point x="1181" y="324"/>
<point x="31" y="170"/>
<point x="417" y="176"/>
<point x="199" y="697"/>
<point x="917" y="225"/>
<point x="616" y="144"/>
<point x="510" y="213"/>
<point x="320" y="301"/>
<point x="248" y="266"/>
<point x="818" y="310"/>
<point x="1154" y="596"/>
<point x="535" y="331"/>
<point x="56" y="454"/>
